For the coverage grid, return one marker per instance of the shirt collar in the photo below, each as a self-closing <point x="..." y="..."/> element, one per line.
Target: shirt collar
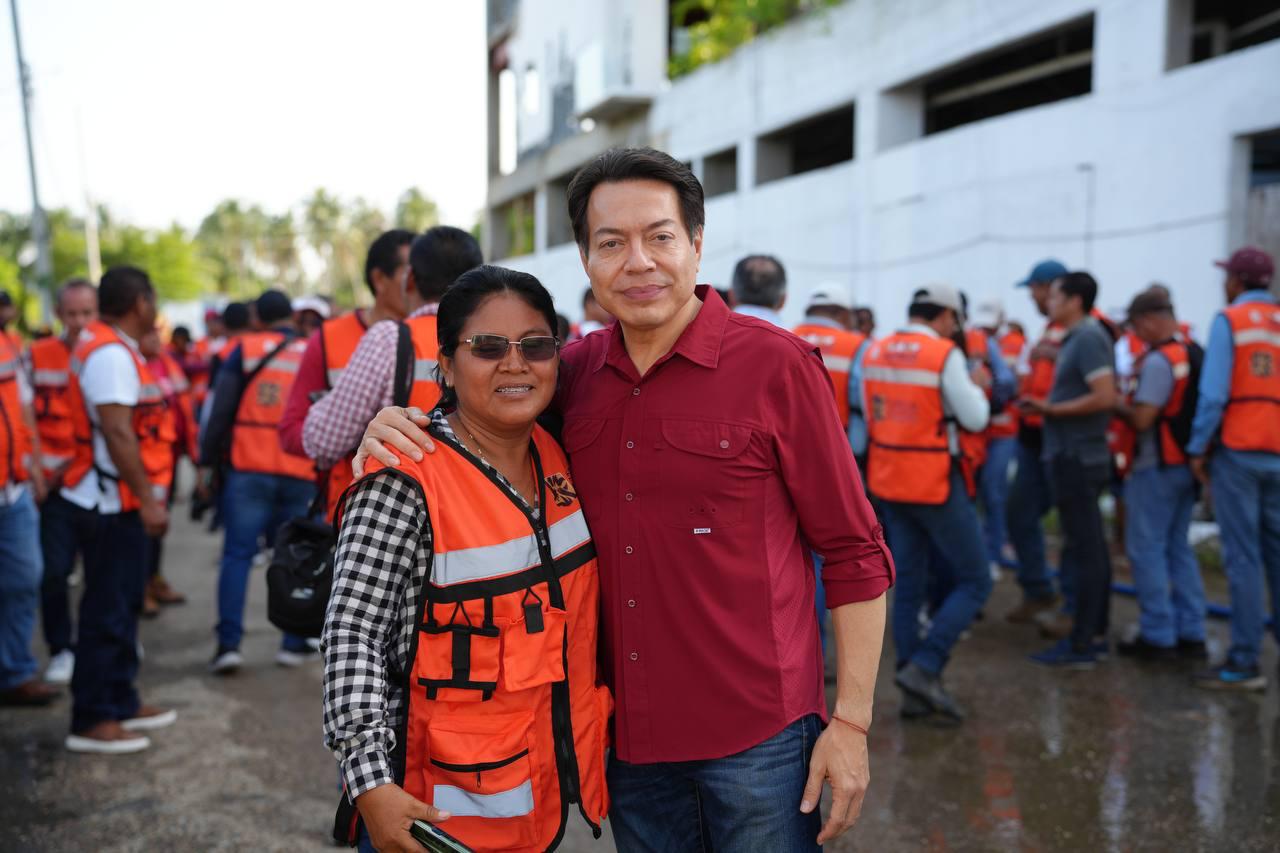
<point x="824" y="322"/>
<point x="760" y="313"/>
<point x="699" y="342"/>
<point x="1253" y="296"/>
<point x="428" y="310"/>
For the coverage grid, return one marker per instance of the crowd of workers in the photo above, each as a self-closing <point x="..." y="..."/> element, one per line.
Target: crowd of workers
<point x="965" y="432"/>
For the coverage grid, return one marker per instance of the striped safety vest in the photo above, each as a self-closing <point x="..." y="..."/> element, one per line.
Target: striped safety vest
<point x="1004" y="424"/>
<point x="425" y="391"/>
<point x="15" y="442"/>
<point x="838" y="348"/>
<point x="507" y="723"/>
<point x="255" y="438"/>
<point x="1251" y="420"/>
<point x="1170" y="452"/>
<point x="51" y="380"/>
<point x="973" y="445"/>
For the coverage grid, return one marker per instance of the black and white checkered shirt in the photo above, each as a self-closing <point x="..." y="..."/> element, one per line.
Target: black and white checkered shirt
<point x="384" y="548"/>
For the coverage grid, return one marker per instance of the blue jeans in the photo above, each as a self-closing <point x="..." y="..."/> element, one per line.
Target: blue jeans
<point x="745" y="802"/>
<point x="253" y="505"/>
<point x="65" y="531"/>
<point x="820" y="599"/>
<point x="115" y="574"/>
<point x="951" y="528"/>
<point x="1030" y="498"/>
<point x="993" y="491"/>
<point x="20" y="571"/>
<point x="1246" y="502"/>
<point x="1165" y="571"/>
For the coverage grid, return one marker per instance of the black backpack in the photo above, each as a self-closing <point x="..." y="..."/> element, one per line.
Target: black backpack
<point x="300" y="576"/>
<point x="1180" y="424"/>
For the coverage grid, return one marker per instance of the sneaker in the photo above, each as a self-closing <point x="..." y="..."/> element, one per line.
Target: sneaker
<point x="107" y="738"/>
<point x="1063" y="656"/>
<point x="1230" y="677"/>
<point x="60" y="667"/>
<point x="913" y="707"/>
<point x="1141" y="649"/>
<point x="226" y="660"/>
<point x="29" y="694"/>
<point x="148" y="718"/>
<point x="158" y="588"/>
<point x="927" y="687"/>
<point x="1026" y="612"/>
<point x="285" y="657"/>
<point x="1192" y="650"/>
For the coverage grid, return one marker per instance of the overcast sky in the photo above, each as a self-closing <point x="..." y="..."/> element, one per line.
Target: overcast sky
<point x="161" y="108"/>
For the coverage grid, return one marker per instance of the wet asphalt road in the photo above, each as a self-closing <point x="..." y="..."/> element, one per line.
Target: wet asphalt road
<point x="1127" y="758"/>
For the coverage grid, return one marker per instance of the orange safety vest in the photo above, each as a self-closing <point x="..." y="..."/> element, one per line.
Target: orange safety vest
<point x="339" y="338"/>
<point x="1039" y="382"/>
<point x="1004" y="424"/>
<point x="973" y="445"/>
<point x="173" y="383"/>
<point x="910" y="459"/>
<point x="15" y="441"/>
<point x="255" y="440"/>
<point x="1176" y="352"/>
<point x="1253" y="409"/>
<point x="838" y="348"/>
<point x="425" y="391"/>
<point x="51" y="379"/>
<point x="507" y="724"/>
<point x="152" y="424"/>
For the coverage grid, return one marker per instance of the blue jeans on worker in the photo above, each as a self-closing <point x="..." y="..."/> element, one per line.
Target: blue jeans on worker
<point x="914" y="531"/>
<point x="253" y="506"/>
<point x="993" y="491"/>
<point x="1030" y="499"/>
<point x="115" y="575"/>
<point x="65" y="531"/>
<point x="1246" y="502"/>
<point x="20" y="571"/>
<point x="745" y="802"/>
<point x="1166" y="573"/>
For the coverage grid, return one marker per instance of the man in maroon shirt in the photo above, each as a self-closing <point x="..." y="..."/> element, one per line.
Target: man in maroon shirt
<point x="709" y="457"/>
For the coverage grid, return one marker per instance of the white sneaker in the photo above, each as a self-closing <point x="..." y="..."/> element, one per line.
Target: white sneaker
<point x="313" y="643"/>
<point x="284" y="657"/>
<point x="226" y="662"/>
<point x="60" y="667"/>
<point x="150" y="722"/>
<point x="102" y="746"/>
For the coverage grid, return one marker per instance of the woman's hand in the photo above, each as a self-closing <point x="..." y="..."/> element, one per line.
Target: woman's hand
<point x="388" y="812"/>
<point x="398" y="427"/>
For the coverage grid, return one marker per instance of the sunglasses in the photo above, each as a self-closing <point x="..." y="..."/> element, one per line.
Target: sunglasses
<point x="494" y="347"/>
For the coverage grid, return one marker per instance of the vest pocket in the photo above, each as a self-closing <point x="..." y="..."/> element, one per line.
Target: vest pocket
<point x="533" y="648"/>
<point x="480" y="770"/>
<point x="458" y="661"/>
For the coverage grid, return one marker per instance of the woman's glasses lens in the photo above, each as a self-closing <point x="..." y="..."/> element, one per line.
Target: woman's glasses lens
<point x="494" y="347"/>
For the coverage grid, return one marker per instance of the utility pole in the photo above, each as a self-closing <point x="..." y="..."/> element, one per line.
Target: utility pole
<point x="39" y="225"/>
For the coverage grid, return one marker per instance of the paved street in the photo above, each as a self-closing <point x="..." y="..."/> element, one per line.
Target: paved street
<point x="1122" y="759"/>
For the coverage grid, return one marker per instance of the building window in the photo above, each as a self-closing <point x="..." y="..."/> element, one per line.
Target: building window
<point x="1204" y="29"/>
<point x="720" y="172"/>
<point x="813" y="143"/>
<point x="1045" y="68"/>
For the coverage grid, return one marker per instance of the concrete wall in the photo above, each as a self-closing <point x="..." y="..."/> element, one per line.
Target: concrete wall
<point x="1138" y="181"/>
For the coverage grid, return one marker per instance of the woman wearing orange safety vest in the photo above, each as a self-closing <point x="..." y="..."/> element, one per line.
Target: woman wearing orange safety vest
<point x="461" y="684"/>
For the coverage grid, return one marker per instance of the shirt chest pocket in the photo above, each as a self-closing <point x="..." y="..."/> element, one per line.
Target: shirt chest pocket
<point x="705" y="478"/>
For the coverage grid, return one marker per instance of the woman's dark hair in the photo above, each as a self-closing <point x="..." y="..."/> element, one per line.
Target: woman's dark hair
<point x="466" y="295"/>
<point x="634" y="164"/>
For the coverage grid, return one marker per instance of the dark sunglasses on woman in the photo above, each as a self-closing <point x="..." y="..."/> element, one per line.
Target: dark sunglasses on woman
<point x="494" y="347"/>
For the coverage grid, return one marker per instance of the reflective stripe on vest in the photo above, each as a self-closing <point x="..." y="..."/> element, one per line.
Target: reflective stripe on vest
<point x="514" y="803"/>
<point x="515" y="555"/>
<point x="1253" y="408"/>
<point x="53" y="378"/>
<point x="425" y="392"/>
<point x="910" y="454"/>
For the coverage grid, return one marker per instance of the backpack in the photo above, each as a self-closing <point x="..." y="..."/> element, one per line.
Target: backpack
<point x="1180" y="424"/>
<point x="300" y="576"/>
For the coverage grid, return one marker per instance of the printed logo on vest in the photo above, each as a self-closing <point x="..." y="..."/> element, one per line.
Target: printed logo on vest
<point x="561" y="489"/>
<point x="1260" y="364"/>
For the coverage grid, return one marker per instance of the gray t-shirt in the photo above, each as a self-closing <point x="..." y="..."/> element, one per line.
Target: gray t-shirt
<point x="1087" y="352"/>
<point x="1155" y="386"/>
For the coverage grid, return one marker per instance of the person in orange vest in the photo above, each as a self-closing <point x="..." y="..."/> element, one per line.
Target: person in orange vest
<point x="9" y="313"/>
<point x="336" y="422"/>
<point x="1235" y="448"/>
<point x="864" y="322"/>
<point x="330" y="350"/>
<point x="122" y="468"/>
<point x="1160" y="490"/>
<point x="1030" y="496"/>
<point x="984" y="346"/>
<point x="917" y="388"/>
<point x="66" y="529"/>
<point x="480" y="552"/>
<point x="200" y="360"/>
<point x="265" y="487"/>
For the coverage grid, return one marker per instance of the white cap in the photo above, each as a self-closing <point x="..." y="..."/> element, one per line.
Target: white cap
<point x="830" y="295"/>
<point x="988" y="315"/>
<point x="941" y="295"/>
<point x="312" y="303"/>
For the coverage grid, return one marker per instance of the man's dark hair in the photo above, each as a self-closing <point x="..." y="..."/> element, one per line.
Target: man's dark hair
<point x="180" y="332"/>
<point x="634" y="164"/>
<point x="926" y="311"/>
<point x="235" y="317"/>
<point x="69" y="285"/>
<point x="759" y="280"/>
<point x="120" y="288"/>
<point x="384" y="253"/>
<point x="439" y="257"/>
<point x="1080" y="284"/>
<point x="273" y="306"/>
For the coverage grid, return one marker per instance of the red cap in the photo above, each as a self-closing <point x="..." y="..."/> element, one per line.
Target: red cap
<point x="212" y="314"/>
<point x="1250" y="265"/>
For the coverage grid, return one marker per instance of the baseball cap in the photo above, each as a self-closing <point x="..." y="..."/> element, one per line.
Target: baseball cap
<point x="1250" y="265"/>
<point x="830" y="295"/>
<point x="988" y="315"/>
<point x="1149" y="302"/>
<point x="312" y="303"/>
<point x="940" y="295"/>
<point x="1046" y="271"/>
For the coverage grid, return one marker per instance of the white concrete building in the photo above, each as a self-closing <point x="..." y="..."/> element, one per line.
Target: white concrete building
<point x="882" y="144"/>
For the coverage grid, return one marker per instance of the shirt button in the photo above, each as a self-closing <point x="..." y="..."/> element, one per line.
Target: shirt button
<point x="629" y="549"/>
<point x="630" y="496"/>
<point x="724" y="444"/>
<point x="635" y="392"/>
<point x="635" y="656"/>
<point x="631" y="445"/>
<point x="631" y="602"/>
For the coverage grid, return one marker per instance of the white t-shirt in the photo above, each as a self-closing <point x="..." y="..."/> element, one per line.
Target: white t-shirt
<point x="108" y="376"/>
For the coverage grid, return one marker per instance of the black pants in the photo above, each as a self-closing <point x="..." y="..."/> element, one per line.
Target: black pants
<point x="1077" y="487"/>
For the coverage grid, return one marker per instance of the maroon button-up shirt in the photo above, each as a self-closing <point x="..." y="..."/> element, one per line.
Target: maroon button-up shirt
<point x="706" y="483"/>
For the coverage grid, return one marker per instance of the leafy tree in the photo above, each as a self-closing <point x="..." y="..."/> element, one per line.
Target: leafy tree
<point x="415" y="211"/>
<point x="709" y="30"/>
